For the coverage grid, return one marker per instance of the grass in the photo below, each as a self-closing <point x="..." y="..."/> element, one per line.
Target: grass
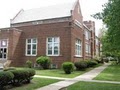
<point x="60" y="73"/>
<point x="111" y="73"/>
<point x="36" y="83"/>
<point x="93" y="86"/>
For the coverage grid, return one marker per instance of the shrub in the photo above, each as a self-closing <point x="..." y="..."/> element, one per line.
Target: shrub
<point x="106" y="60"/>
<point x="15" y="77"/>
<point x="91" y="63"/>
<point x="44" y="61"/>
<point x="68" y="67"/>
<point x="31" y="73"/>
<point x="22" y="76"/>
<point x="5" y="78"/>
<point x="99" y="61"/>
<point x="29" y="63"/>
<point x="81" y="65"/>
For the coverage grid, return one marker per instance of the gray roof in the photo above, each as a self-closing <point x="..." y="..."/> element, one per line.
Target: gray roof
<point x="43" y="13"/>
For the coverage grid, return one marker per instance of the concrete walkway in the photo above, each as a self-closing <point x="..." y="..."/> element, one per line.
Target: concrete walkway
<point x="50" y="77"/>
<point x="91" y="74"/>
<point x="84" y="77"/>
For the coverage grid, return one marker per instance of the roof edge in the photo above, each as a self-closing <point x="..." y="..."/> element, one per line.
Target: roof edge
<point x="11" y="20"/>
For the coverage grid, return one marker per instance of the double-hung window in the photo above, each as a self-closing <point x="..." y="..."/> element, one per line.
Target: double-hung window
<point x="78" y="48"/>
<point x="31" y="47"/>
<point x="53" y="45"/>
<point x="88" y="48"/>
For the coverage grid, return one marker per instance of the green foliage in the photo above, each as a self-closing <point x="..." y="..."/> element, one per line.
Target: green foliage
<point x="5" y="78"/>
<point x="15" y="77"/>
<point x="91" y="63"/>
<point x="68" y="67"/>
<point x="22" y="76"/>
<point x="81" y="65"/>
<point x="29" y="63"/>
<point x="111" y="17"/>
<point x="44" y="61"/>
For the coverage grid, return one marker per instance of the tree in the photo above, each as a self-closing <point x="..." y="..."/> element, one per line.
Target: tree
<point x="110" y="15"/>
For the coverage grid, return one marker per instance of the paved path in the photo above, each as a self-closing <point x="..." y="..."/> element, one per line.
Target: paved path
<point x="50" y="77"/>
<point x="84" y="77"/>
<point x="91" y="74"/>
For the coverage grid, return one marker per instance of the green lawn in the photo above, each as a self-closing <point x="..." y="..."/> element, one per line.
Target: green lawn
<point x="60" y="73"/>
<point x="93" y="86"/>
<point x="111" y="73"/>
<point x="35" y="83"/>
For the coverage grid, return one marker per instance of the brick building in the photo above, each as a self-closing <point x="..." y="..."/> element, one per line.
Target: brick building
<point x="56" y="31"/>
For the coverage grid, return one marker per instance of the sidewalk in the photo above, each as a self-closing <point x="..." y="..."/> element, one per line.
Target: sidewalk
<point x="50" y="77"/>
<point x="84" y="77"/>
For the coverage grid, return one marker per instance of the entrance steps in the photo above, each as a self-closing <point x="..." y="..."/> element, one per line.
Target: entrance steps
<point x="1" y="63"/>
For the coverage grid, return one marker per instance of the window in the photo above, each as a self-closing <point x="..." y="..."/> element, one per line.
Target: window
<point x="31" y="47"/>
<point x="78" y="48"/>
<point x="3" y="49"/>
<point x="87" y="35"/>
<point x="88" y="48"/>
<point x="53" y="46"/>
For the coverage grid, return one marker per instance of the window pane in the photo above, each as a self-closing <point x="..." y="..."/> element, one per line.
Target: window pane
<point x="49" y="39"/>
<point x="34" y="46"/>
<point x="28" y="52"/>
<point x="56" y="52"/>
<point x="49" y="46"/>
<point x="56" y="40"/>
<point x="33" y="52"/>
<point x="49" y="52"/>
<point x="56" y="46"/>
<point x="34" y="40"/>
<point x="29" y="47"/>
<point x="4" y="55"/>
<point x="78" y="47"/>
<point x="28" y="40"/>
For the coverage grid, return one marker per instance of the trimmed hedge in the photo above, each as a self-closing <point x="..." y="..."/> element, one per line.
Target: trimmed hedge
<point x="81" y="65"/>
<point x="22" y="76"/>
<point x="91" y="63"/>
<point x="68" y="67"/>
<point x="5" y="78"/>
<point x="16" y="77"/>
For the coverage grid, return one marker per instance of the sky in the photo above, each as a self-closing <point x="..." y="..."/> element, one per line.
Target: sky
<point x="9" y="8"/>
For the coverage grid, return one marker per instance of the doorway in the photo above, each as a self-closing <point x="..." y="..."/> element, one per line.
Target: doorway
<point x="3" y="49"/>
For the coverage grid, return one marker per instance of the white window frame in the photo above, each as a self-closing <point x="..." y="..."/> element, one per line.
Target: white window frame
<point x="4" y="48"/>
<point x="31" y="44"/>
<point x="78" y="53"/>
<point x="87" y="48"/>
<point x="87" y="35"/>
<point x="53" y="54"/>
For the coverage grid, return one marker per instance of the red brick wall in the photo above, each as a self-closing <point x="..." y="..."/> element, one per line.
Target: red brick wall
<point x="41" y="32"/>
<point x="67" y="31"/>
